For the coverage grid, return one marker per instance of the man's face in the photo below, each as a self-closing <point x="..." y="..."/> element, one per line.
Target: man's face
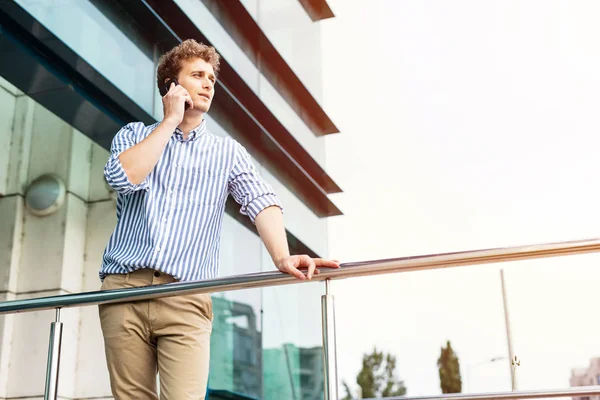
<point x="198" y="78"/>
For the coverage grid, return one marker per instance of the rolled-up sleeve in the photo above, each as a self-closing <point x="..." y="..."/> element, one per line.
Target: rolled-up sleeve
<point x="248" y="188"/>
<point x="113" y="171"/>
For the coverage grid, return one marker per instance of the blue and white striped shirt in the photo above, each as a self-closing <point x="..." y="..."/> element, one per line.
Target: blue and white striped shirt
<point x="172" y="221"/>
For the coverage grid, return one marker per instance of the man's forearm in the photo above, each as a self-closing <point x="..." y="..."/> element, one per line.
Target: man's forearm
<point x="269" y="223"/>
<point x="139" y="160"/>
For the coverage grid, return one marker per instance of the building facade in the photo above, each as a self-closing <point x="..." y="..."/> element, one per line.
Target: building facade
<point x="589" y="376"/>
<point x="72" y="72"/>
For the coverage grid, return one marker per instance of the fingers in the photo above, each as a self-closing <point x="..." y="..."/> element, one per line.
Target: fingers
<point x="305" y="261"/>
<point x="189" y="100"/>
<point x="180" y="93"/>
<point x="290" y="269"/>
<point x="293" y="266"/>
<point x="311" y="267"/>
<point x="327" y="263"/>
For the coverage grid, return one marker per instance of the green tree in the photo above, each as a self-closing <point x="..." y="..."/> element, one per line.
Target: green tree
<point x="449" y="368"/>
<point x="348" y="395"/>
<point x="377" y="378"/>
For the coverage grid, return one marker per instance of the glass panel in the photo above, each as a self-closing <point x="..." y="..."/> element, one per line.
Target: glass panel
<point x="96" y="39"/>
<point x="413" y="315"/>
<point x="266" y="343"/>
<point x="292" y="344"/>
<point x="281" y="361"/>
<point x="236" y="341"/>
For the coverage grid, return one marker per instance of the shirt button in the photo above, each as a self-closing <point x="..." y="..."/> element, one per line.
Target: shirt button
<point x="157" y="249"/>
<point x="170" y="192"/>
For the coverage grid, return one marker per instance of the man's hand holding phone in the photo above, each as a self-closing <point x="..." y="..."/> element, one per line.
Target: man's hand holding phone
<point x="176" y="100"/>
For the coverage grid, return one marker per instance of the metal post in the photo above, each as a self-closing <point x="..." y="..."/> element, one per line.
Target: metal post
<point x="329" y="349"/>
<point x="511" y="354"/>
<point x="56" y="328"/>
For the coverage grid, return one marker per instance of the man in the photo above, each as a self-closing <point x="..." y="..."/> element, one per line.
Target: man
<point x="172" y="180"/>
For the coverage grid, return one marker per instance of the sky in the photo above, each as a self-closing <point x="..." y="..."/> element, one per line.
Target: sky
<point x="465" y="125"/>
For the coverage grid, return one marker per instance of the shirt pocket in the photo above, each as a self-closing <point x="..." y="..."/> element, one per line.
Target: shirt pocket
<point x="205" y="186"/>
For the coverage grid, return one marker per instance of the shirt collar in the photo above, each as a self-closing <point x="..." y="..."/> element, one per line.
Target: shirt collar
<point x="194" y="133"/>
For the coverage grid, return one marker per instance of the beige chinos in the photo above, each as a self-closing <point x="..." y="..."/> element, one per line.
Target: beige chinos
<point x="169" y="335"/>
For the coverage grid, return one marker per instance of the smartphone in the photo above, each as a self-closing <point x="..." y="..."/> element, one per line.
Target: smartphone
<point x="164" y="89"/>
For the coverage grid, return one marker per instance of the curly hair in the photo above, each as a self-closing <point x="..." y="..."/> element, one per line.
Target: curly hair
<point x="170" y="63"/>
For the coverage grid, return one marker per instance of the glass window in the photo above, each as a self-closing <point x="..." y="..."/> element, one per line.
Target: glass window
<point x="292" y="121"/>
<point x="96" y="39"/>
<point x="296" y="37"/>
<point x="218" y="36"/>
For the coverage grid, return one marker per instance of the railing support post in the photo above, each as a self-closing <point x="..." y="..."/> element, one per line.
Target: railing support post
<point x="56" y="329"/>
<point x="329" y="348"/>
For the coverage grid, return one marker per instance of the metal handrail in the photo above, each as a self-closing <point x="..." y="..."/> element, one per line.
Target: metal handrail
<point x="266" y="279"/>
<point x="275" y="278"/>
<point x="523" y="394"/>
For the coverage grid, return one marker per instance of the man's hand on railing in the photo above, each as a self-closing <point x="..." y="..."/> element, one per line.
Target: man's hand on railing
<point x="269" y="223"/>
<point x="293" y="264"/>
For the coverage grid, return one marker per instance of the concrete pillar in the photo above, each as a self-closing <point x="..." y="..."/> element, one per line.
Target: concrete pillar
<point x="15" y="133"/>
<point x="51" y="255"/>
<point x="11" y="215"/>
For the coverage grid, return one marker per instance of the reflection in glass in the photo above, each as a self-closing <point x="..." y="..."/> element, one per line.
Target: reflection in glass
<point x="293" y="372"/>
<point x="96" y="39"/>
<point x="239" y="364"/>
<point x="236" y="341"/>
